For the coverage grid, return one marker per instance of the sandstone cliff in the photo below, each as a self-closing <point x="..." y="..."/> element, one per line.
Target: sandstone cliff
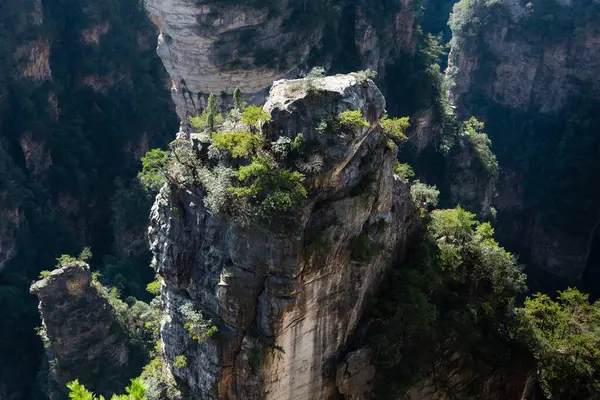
<point x="82" y="97"/>
<point x="81" y="334"/>
<point x="286" y="304"/>
<point x="530" y="71"/>
<point x="213" y="47"/>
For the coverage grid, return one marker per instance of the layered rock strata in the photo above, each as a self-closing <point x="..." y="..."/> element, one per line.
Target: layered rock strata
<point x="214" y="47"/>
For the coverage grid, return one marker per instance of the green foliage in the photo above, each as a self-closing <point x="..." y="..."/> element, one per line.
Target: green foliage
<point x="447" y="307"/>
<point x="198" y="328"/>
<point x="180" y="361"/>
<point x="253" y="116"/>
<point x="153" y="287"/>
<point x="298" y="143"/>
<point x="135" y="391"/>
<point x="200" y="123"/>
<point x="424" y="195"/>
<point x="395" y="128"/>
<point x="85" y="255"/>
<point x="483" y="146"/>
<point x="45" y="274"/>
<point x="211" y="113"/>
<point x="404" y="171"/>
<point x="238" y="102"/>
<point x="153" y="166"/>
<point x="272" y="188"/>
<point x="352" y="120"/>
<point x="240" y="144"/>
<point x="564" y="336"/>
<point x="65" y="259"/>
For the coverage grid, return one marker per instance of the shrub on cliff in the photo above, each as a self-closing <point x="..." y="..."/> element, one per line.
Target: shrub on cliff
<point x="240" y="144"/>
<point x="135" y="391"/>
<point x="272" y="189"/>
<point x="448" y="307"/>
<point x="352" y="120"/>
<point x="564" y="336"/>
<point x="395" y="128"/>
<point x="253" y="116"/>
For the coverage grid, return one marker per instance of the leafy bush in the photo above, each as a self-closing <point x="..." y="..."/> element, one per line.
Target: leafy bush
<point x="135" y="391"/>
<point x="404" y="171"/>
<point x="564" y="337"/>
<point x="298" y="143"/>
<point x="483" y="146"/>
<point x="352" y="120"/>
<point x="240" y="144"/>
<point x="446" y="308"/>
<point x="395" y="127"/>
<point x="198" y="328"/>
<point x="153" y="167"/>
<point x="180" y="361"/>
<point x="253" y="116"/>
<point x="424" y="195"/>
<point x="264" y="183"/>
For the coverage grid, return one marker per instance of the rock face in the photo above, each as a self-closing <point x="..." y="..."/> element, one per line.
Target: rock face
<point x="213" y="47"/>
<point x="531" y="73"/>
<point x="82" y="336"/>
<point x="68" y="130"/>
<point x="286" y="304"/>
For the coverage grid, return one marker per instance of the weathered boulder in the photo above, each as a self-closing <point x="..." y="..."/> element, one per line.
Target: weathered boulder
<point x="285" y="303"/>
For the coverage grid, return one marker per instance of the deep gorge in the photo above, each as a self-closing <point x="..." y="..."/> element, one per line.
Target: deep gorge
<point x="86" y="89"/>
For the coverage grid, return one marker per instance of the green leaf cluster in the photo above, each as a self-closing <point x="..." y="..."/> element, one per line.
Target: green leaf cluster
<point x="352" y="120"/>
<point x="264" y="183"/>
<point x="253" y="116"/>
<point x="152" y="175"/>
<point x="198" y="328"/>
<point x="135" y="391"/>
<point x="564" y="336"/>
<point x="395" y="128"/>
<point x="240" y="144"/>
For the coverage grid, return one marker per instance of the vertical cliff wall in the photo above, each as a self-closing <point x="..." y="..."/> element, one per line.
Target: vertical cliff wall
<point x="215" y="46"/>
<point x="530" y="70"/>
<point x="82" y="336"/>
<point x="82" y="97"/>
<point x="286" y="302"/>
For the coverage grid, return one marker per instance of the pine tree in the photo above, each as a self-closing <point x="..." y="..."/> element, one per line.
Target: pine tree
<point x="237" y="99"/>
<point x="211" y="113"/>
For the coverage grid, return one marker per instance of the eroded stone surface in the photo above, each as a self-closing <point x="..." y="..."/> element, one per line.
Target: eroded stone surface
<point x="285" y="303"/>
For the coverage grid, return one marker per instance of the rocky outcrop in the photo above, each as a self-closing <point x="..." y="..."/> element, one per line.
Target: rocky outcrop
<point x="81" y="333"/>
<point x="68" y="130"/>
<point x="213" y="47"/>
<point x="287" y="303"/>
<point x="530" y="71"/>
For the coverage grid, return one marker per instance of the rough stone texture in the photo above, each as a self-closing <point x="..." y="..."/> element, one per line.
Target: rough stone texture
<point x="354" y="374"/>
<point x="285" y="303"/>
<point x="512" y="384"/>
<point x="84" y="339"/>
<point x="511" y="62"/>
<point x="213" y="47"/>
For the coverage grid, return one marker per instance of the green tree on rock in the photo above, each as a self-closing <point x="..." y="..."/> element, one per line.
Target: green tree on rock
<point x="135" y="391"/>
<point x="211" y="113"/>
<point x="238" y="102"/>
